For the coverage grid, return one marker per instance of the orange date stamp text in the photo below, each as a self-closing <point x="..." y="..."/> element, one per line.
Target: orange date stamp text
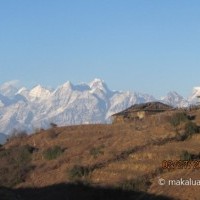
<point x="181" y="164"/>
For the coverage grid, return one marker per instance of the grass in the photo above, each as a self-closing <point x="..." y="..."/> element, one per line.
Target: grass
<point x="79" y="171"/>
<point x="177" y="118"/>
<point x="185" y="155"/>
<point x="97" y="151"/>
<point x="119" y="161"/>
<point x="52" y="134"/>
<point x="191" y="128"/>
<point x="140" y="184"/>
<point x="53" y="153"/>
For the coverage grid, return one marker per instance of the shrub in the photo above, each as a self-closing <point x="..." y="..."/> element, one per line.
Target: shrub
<point x="15" y="164"/>
<point x="53" y="125"/>
<point x="185" y="155"/>
<point x="18" y="155"/>
<point x="191" y="128"/>
<point x="79" y="171"/>
<point x="52" y="153"/>
<point x="177" y="118"/>
<point x="95" y="152"/>
<point x="181" y="137"/>
<point x="140" y="184"/>
<point x="24" y="155"/>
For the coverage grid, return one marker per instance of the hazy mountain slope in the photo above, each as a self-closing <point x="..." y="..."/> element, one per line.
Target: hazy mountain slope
<point x="21" y="108"/>
<point x="3" y="138"/>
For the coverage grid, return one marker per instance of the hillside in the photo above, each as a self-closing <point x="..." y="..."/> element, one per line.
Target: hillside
<point x="116" y="161"/>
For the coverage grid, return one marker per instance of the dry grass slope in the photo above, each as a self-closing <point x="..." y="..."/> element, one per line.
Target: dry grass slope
<point x="125" y="157"/>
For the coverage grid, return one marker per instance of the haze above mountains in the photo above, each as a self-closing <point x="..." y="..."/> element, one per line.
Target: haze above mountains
<point x="69" y="104"/>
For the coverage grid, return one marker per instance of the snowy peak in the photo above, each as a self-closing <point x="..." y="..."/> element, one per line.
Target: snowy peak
<point x="195" y="94"/>
<point x="9" y="88"/>
<point x="68" y="85"/>
<point x="196" y="91"/>
<point x="39" y="92"/>
<point x="175" y="99"/>
<point x="63" y="90"/>
<point x="98" y="84"/>
<point x="172" y="96"/>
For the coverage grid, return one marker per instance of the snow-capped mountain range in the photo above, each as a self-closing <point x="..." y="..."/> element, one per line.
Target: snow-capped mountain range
<point x="68" y="104"/>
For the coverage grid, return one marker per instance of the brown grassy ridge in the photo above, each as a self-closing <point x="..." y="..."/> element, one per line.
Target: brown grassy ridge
<point x="116" y="155"/>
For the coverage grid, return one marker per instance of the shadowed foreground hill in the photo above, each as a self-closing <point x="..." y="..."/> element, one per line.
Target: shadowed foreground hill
<point x="75" y="192"/>
<point x="118" y="161"/>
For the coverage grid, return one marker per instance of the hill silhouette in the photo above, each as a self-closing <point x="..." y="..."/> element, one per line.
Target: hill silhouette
<point x="75" y="192"/>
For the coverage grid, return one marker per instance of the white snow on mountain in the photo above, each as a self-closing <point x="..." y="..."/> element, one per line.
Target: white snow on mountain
<point x="39" y="92"/>
<point x="196" y="92"/>
<point x="174" y="99"/>
<point x="9" y="88"/>
<point x="68" y="104"/>
<point x="98" y="84"/>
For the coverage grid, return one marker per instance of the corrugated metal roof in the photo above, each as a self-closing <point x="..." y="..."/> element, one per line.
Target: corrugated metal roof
<point x="149" y="107"/>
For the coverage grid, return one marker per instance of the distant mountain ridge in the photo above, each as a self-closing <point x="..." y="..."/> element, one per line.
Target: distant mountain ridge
<point x="68" y="104"/>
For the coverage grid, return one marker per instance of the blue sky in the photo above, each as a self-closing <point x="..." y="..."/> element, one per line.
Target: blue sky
<point x="150" y="46"/>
